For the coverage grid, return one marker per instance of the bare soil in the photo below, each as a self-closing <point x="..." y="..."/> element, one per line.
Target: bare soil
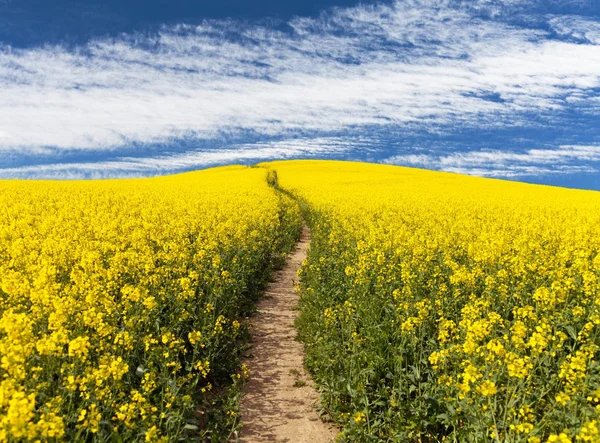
<point x="280" y="402"/>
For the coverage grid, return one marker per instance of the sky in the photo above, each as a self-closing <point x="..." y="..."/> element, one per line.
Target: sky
<point x="119" y="88"/>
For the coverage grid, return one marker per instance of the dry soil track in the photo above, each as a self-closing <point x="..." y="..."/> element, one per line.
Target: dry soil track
<point x="279" y="400"/>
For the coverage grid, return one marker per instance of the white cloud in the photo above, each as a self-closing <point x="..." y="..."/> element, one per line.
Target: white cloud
<point x="136" y="167"/>
<point x="566" y="159"/>
<point x="576" y="27"/>
<point x="523" y="171"/>
<point x="412" y="63"/>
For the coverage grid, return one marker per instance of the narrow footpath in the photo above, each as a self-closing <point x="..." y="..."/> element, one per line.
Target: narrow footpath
<point x="279" y="401"/>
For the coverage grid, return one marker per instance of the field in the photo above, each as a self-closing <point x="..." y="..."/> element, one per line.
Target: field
<point x="434" y="306"/>
<point x="121" y="302"/>
<point x="442" y="307"/>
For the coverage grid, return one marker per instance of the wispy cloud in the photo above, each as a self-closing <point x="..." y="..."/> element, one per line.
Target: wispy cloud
<point x="578" y="28"/>
<point x="161" y="164"/>
<point x="411" y="65"/>
<point x="494" y="163"/>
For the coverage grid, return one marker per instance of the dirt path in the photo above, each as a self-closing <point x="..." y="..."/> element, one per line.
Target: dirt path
<point x="278" y="405"/>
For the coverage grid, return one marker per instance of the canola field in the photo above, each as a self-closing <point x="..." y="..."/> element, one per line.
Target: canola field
<point x="433" y="306"/>
<point x="121" y="301"/>
<point x="440" y="307"/>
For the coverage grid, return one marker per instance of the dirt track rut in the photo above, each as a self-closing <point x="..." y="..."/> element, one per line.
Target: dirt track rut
<point x="279" y="401"/>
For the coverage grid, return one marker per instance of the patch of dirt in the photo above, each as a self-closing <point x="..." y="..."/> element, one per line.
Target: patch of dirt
<point x="279" y="401"/>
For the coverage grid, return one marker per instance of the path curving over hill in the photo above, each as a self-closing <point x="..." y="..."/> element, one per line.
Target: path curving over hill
<point x="279" y="400"/>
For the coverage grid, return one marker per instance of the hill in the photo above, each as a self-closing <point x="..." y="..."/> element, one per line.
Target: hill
<point x="433" y="306"/>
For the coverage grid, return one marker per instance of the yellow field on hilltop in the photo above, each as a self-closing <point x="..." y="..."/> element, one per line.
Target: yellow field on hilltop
<point x="434" y="306"/>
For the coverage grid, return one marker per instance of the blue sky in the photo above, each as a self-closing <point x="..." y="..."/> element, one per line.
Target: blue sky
<point x="497" y="88"/>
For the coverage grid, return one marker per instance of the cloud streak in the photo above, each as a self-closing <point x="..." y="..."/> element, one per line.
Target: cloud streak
<point x="506" y="164"/>
<point x="163" y="164"/>
<point x="413" y="65"/>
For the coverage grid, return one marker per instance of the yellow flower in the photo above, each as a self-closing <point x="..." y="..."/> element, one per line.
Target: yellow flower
<point x="78" y="348"/>
<point x="152" y="435"/>
<point x="487" y="388"/>
<point x="562" y="398"/>
<point x="518" y="366"/>
<point x="590" y="431"/>
<point x="560" y="438"/>
<point x="195" y="337"/>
